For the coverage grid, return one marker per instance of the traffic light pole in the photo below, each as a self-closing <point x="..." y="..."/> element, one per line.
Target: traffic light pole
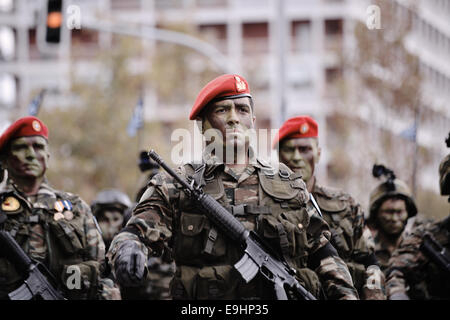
<point x="151" y="33"/>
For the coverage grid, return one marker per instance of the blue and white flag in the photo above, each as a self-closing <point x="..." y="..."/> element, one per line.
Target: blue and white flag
<point x="410" y="133"/>
<point x="137" y="119"/>
<point x="35" y="104"/>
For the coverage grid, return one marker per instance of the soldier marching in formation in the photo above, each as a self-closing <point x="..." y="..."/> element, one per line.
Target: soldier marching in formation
<point x="419" y="268"/>
<point x="392" y="216"/>
<point x="298" y="145"/>
<point x="271" y="202"/>
<point x="53" y="227"/>
<point x="167" y="246"/>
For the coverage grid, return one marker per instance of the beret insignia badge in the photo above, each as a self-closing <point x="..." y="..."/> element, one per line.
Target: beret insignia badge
<point x="304" y="128"/>
<point x="240" y="85"/>
<point x="36" y="126"/>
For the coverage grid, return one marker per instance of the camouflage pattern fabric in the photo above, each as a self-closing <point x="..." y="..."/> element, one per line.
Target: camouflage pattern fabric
<point x="346" y="220"/>
<point x="57" y="229"/>
<point x="165" y="218"/>
<point x="383" y="252"/>
<point x="157" y="283"/>
<point x="412" y="273"/>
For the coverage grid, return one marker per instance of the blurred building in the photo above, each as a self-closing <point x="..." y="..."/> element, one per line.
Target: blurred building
<point x="291" y="52"/>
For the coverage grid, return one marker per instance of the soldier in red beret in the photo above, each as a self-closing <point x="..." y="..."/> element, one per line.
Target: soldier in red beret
<point x="299" y="149"/>
<point x="53" y="227"/>
<point x="272" y="202"/>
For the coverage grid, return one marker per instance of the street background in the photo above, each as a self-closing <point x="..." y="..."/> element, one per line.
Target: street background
<point x="121" y="76"/>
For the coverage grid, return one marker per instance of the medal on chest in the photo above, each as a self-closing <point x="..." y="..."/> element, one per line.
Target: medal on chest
<point x="63" y="210"/>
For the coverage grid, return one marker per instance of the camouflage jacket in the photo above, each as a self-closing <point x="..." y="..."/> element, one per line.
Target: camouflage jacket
<point x="413" y="272"/>
<point x="263" y="201"/>
<point x="346" y="220"/>
<point x="57" y="229"/>
<point x="157" y="284"/>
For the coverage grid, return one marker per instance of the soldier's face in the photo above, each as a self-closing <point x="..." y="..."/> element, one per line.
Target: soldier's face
<point x="110" y="222"/>
<point x="392" y="216"/>
<point x="301" y="155"/>
<point x="27" y="157"/>
<point x="232" y="118"/>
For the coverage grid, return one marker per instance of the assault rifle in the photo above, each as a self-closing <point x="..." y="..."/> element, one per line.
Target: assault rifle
<point x="36" y="284"/>
<point x="435" y="251"/>
<point x="258" y="256"/>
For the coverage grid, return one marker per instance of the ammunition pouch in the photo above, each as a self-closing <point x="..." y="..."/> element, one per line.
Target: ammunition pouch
<point x="199" y="241"/>
<point x="69" y="235"/>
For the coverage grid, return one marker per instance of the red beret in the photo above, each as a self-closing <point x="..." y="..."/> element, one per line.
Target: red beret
<point x="24" y="127"/>
<point x="297" y="127"/>
<point x="225" y="86"/>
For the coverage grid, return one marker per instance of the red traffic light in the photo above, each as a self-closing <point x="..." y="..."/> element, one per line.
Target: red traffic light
<point x="54" y="19"/>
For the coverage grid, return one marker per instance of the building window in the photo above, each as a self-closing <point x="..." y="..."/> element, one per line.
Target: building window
<point x="333" y="27"/>
<point x="218" y="31"/>
<point x="8" y="90"/>
<point x="125" y="5"/>
<point x="333" y="34"/>
<point x="301" y="35"/>
<point x="216" y="34"/>
<point x="169" y="4"/>
<point x="6" y="6"/>
<point x="332" y="75"/>
<point x="255" y="37"/>
<point x="85" y="43"/>
<point x="7" y="44"/>
<point x="211" y="3"/>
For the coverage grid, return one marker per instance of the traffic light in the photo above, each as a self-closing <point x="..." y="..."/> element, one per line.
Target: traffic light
<point x="54" y="21"/>
<point x="50" y="29"/>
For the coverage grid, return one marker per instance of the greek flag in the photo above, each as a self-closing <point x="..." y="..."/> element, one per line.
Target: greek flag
<point x="35" y="104"/>
<point x="410" y="133"/>
<point x="137" y="119"/>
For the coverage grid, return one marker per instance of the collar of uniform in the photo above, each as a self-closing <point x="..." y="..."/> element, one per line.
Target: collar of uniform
<point x="381" y="245"/>
<point x="43" y="196"/>
<point x="213" y="163"/>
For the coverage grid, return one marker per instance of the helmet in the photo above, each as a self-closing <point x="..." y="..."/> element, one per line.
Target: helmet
<point x="444" y="176"/>
<point x="110" y="198"/>
<point x="390" y="189"/>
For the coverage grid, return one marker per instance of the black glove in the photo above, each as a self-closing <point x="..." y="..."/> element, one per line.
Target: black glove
<point x="129" y="266"/>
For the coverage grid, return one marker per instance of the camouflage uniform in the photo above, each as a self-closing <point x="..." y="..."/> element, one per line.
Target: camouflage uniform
<point x="346" y="220"/>
<point x="72" y="240"/>
<point x="156" y="285"/>
<point x="382" y="251"/>
<point x="386" y="190"/>
<point x="271" y="203"/>
<point x="412" y="273"/>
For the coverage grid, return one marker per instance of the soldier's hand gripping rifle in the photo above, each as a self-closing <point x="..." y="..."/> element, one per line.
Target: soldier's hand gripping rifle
<point x="437" y="253"/>
<point x="36" y="284"/>
<point x="258" y="257"/>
